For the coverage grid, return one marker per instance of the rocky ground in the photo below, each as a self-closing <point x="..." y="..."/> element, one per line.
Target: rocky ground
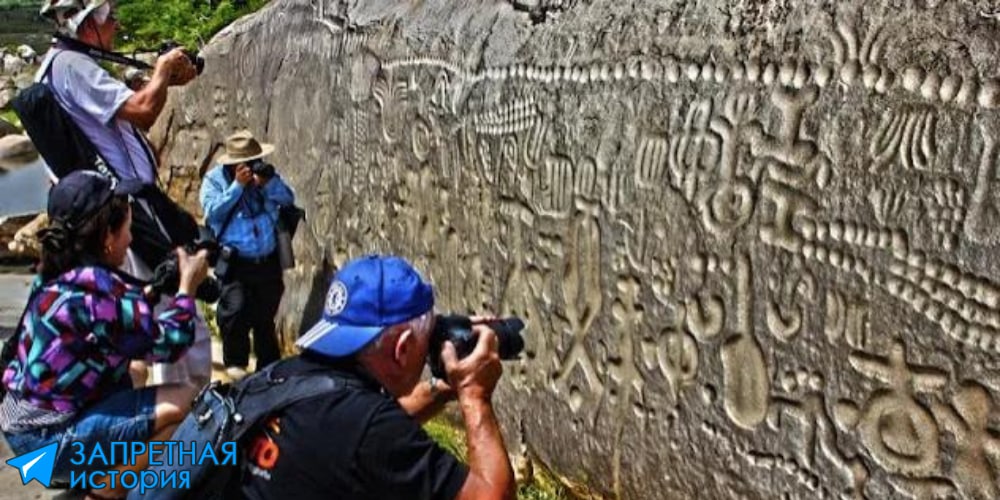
<point x="13" y="295"/>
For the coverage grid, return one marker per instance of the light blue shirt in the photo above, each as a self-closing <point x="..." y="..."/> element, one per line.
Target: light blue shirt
<point x="92" y="98"/>
<point x="252" y="228"/>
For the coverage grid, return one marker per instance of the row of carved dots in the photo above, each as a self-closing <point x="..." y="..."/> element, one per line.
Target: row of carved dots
<point x="928" y="84"/>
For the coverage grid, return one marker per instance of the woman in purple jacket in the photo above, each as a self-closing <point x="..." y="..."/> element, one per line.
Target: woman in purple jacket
<point x="68" y="381"/>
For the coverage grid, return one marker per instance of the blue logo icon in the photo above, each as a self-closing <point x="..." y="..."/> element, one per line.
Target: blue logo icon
<point x="36" y="464"/>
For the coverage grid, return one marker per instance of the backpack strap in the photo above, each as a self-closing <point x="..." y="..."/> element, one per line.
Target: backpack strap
<point x="248" y="403"/>
<point x="264" y="393"/>
<point x="45" y="78"/>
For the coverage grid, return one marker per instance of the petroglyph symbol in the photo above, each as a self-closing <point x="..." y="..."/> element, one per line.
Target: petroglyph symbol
<point x="746" y="385"/>
<point x="791" y="292"/>
<point x="789" y="205"/>
<point x="445" y="96"/>
<point x="677" y="358"/>
<point x="585" y="179"/>
<point x="967" y="419"/>
<point x="694" y="151"/>
<point x="846" y="320"/>
<point x="537" y="143"/>
<point x="984" y="210"/>
<point x="945" y="210"/>
<point x="651" y="162"/>
<point x="888" y="204"/>
<point x="730" y="203"/>
<point x="705" y="316"/>
<point x="789" y="157"/>
<point x="628" y="325"/>
<point x="803" y="400"/>
<point x="910" y="136"/>
<point x="390" y="98"/>
<point x="422" y="139"/>
<point x="582" y="299"/>
<point x="899" y="433"/>
<point x="553" y="185"/>
<point x="517" y="116"/>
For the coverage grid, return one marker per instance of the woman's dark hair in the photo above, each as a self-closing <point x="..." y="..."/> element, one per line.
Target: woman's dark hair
<point x="64" y="249"/>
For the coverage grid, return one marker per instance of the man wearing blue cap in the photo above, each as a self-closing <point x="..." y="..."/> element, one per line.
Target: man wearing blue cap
<point x="364" y="440"/>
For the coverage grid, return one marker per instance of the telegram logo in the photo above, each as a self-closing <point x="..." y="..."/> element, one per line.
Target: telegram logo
<point x="36" y="464"/>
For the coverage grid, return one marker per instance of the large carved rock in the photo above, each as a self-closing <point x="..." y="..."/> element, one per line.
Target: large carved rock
<point x="755" y="242"/>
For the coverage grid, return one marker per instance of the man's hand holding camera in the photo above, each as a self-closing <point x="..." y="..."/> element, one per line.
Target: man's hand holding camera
<point x="474" y="377"/>
<point x="257" y="171"/>
<point x="243" y="174"/>
<point x="176" y="66"/>
<point x="193" y="270"/>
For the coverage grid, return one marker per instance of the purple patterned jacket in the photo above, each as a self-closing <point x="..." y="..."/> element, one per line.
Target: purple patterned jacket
<point x="81" y="330"/>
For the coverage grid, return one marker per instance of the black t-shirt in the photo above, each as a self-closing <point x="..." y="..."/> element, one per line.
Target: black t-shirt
<point x="353" y="443"/>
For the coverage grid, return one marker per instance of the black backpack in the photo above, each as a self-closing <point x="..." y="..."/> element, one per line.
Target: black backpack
<point x="56" y="136"/>
<point x="227" y="412"/>
<point x="65" y="149"/>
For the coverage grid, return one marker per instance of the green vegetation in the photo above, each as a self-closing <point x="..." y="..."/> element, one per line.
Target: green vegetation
<point x="208" y="314"/>
<point x="189" y="22"/>
<point x="9" y="116"/>
<point x="10" y="4"/>
<point x="21" y="24"/>
<point x="542" y="485"/>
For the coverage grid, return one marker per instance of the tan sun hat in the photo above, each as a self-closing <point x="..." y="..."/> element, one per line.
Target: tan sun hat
<point x="242" y="147"/>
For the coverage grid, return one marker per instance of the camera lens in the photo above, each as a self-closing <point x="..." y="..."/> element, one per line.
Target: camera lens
<point x="510" y="343"/>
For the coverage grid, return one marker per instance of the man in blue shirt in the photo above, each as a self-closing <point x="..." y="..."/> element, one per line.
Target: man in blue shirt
<point x="241" y="197"/>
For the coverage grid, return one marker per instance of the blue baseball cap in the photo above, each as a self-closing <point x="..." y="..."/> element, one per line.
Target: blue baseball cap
<point x="367" y="295"/>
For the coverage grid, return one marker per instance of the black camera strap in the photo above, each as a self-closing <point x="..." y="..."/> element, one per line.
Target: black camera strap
<point x="99" y="53"/>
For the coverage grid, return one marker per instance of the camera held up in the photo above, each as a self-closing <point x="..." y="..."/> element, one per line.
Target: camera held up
<point x="262" y="168"/>
<point x="196" y="60"/>
<point x="458" y="330"/>
<point x="167" y="275"/>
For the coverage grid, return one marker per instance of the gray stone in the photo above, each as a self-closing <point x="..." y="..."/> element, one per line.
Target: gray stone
<point x="27" y="53"/>
<point x="755" y="242"/>
<point x="6" y="95"/>
<point x="13" y="64"/>
<point x="16" y="151"/>
<point x="7" y="128"/>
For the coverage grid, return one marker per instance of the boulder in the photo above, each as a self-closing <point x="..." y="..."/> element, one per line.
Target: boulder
<point x="13" y="64"/>
<point x="28" y="54"/>
<point x="7" y="128"/>
<point x="16" y="150"/>
<point x="15" y="242"/>
<point x="755" y="243"/>
<point x="24" y="242"/>
<point x="6" y="95"/>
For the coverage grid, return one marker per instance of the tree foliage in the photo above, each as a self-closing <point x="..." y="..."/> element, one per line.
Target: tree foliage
<point x="147" y="23"/>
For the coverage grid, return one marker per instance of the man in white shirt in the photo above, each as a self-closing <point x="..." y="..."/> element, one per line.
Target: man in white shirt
<point x="113" y="117"/>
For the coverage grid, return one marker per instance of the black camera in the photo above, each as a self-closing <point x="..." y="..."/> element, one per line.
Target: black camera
<point x="458" y="330"/>
<point x="196" y="60"/>
<point x="262" y="168"/>
<point x="167" y="275"/>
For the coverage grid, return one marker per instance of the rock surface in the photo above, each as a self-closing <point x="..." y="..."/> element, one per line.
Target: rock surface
<point x="7" y="128"/>
<point x="16" y="151"/>
<point x="10" y="228"/>
<point x="755" y="242"/>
